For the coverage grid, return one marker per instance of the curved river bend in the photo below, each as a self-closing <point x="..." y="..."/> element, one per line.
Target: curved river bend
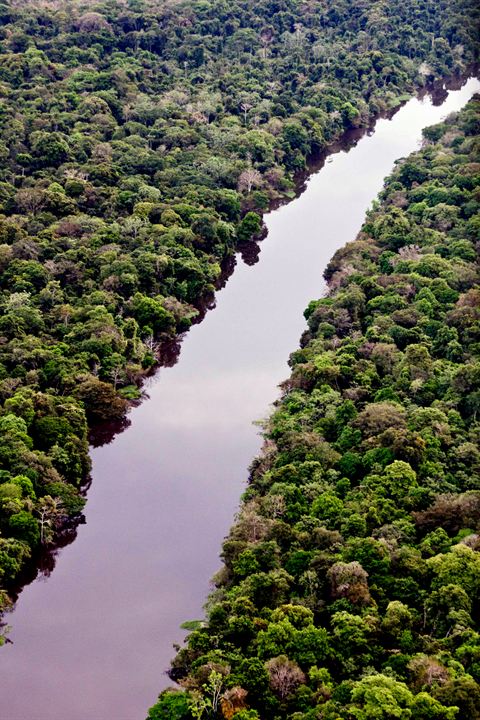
<point x="93" y="641"/>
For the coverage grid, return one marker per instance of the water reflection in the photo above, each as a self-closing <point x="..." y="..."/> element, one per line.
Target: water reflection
<point x="94" y="641"/>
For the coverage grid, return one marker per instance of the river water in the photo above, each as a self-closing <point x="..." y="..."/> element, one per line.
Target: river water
<point x="93" y="640"/>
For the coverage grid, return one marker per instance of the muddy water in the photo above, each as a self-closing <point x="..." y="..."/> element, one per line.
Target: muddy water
<point x="92" y="641"/>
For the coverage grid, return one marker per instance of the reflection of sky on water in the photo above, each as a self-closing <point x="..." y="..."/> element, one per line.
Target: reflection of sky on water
<point x="92" y="642"/>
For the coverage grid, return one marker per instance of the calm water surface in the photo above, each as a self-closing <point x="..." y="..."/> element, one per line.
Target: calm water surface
<point x="92" y="641"/>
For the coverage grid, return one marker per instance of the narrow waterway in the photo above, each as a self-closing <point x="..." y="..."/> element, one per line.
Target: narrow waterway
<point x="92" y="641"/>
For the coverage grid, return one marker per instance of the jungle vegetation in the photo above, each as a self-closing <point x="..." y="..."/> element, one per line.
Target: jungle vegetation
<point x="350" y="585"/>
<point x="140" y="143"/>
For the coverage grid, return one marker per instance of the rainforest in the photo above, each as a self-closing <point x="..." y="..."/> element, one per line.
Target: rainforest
<point x="142" y="144"/>
<point x="351" y="578"/>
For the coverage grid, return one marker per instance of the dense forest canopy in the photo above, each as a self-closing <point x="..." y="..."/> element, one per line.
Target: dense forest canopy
<point x="140" y="143"/>
<point x="350" y="588"/>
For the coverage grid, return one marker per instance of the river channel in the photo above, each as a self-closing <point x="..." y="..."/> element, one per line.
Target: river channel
<point x="93" y="640"/>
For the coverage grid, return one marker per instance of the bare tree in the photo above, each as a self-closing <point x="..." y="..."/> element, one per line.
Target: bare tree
<point x="151" y="345"/>
<point x="75" y="174"/>
<point x="50" y="513"/>
<point x="266" y="37"/>
<point x="30" y="200"/>
<point x="349" y="580"/>
<point x="116" y="374"/>
<point x="102" y="153"/>
<point x="249" y="179"/>
<point x="245" y="107"/>
<point x="92" y="22"/>
<point x="285" y="675"/>
<point x="250" y="525"/>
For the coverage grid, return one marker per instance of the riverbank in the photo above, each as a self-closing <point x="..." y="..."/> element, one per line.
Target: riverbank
<point x="356" y="536"/>
<point x="168" y="350"/>
<point x="160" y="502"/>
<point x="65" y="527"/>
<point x="122" y="194"/>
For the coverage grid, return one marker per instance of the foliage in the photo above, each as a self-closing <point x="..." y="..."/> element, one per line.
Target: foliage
<point x="369" y="548"/>
<point x="140" y="142"/>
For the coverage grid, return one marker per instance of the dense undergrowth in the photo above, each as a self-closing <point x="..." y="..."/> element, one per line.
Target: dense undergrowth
<point x="140" y="143"/>
<point x="351" y="580"/>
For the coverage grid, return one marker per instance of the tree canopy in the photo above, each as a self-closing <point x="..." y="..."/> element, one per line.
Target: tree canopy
<point x="140" y="143"/>
<point x="350" y="585"/>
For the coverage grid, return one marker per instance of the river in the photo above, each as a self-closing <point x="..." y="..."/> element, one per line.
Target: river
<point x="93" y="640"/>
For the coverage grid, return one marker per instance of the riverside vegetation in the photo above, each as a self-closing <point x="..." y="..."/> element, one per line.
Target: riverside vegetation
<point x="350" y="587"/>
<point x="140" y="143"/>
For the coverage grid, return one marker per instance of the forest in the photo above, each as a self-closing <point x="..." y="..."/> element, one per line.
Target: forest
<point x="350" y="585"/>
<point x="140" y="144"/>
